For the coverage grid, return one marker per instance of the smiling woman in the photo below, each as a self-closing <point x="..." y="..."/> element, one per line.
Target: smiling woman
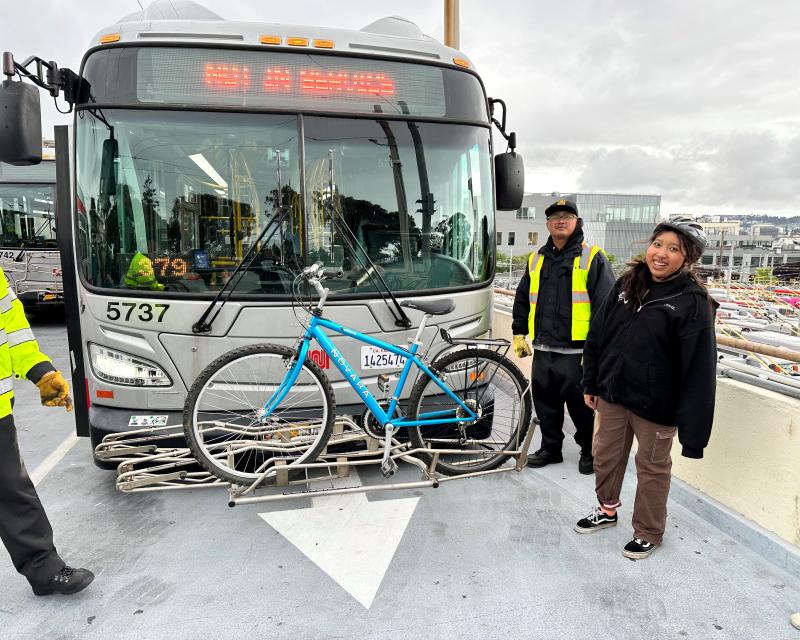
<point x="649" y="370"/>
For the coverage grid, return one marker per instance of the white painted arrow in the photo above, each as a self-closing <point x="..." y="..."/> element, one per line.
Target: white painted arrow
<point x="350" y="538"/>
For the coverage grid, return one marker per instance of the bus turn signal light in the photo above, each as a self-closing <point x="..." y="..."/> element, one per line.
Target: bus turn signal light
<point x="323" y="44"/>
<point x="270" y="39"/>
<point x="461" y="62"/>
<point x="297" y="42"/>
<point x="102" y="393"/>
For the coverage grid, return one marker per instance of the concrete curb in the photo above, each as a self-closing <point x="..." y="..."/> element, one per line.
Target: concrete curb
<point x="752" y="535"/>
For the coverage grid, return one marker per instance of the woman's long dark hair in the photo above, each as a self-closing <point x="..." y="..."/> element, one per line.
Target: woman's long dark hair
<point x="634" y="282"/>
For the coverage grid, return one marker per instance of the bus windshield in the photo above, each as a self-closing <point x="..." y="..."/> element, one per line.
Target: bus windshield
<point x="173" y="200"/>
<point x="28" y="216"/>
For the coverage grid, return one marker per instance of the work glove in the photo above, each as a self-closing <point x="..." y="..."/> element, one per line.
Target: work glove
<point x="521" y="347"/>
<point x="54" y="390"/>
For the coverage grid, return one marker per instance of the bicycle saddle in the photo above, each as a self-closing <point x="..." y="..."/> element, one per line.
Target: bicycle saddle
<point x="432" y="307"/>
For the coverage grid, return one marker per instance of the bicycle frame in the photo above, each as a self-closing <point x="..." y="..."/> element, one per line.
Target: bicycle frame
<point x="315" y="331"/>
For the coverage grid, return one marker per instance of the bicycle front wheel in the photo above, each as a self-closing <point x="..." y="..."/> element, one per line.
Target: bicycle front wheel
<point x="228" y="429"/>
<point x="489" y="384"/>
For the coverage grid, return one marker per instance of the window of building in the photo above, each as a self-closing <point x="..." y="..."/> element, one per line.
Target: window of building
<point x="511" y="237"/>
<point x="499" y="238"/>
<point x="533" y="238"/>
<point x="708" y="259"/>
<point x="526" y="213"/>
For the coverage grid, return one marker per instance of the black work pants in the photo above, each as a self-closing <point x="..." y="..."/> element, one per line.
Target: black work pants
<point x="24" y="527"/>
<point x="555" y="381"/>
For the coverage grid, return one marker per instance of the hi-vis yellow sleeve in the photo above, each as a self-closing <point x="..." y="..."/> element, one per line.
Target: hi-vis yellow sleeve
<point x="16" y="335"/>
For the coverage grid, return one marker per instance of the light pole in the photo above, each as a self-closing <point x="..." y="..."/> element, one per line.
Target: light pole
<point x="451" y="23"/>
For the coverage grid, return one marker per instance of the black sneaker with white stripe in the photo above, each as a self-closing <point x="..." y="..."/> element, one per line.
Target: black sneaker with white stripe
<point x="595" y="521"/>
<point x="638" y="549"/>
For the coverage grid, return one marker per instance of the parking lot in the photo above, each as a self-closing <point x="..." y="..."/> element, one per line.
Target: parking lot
<point x="494" y="557"/>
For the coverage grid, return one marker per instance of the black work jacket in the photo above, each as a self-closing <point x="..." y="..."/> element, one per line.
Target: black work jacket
<point x="554" y="306"/>
<point x="658" y="358"/>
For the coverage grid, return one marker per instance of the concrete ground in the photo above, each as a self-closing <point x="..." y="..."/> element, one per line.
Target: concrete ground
<point x="494" y="557"/>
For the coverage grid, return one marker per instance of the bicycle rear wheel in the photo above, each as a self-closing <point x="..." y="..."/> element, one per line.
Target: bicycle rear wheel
<point x="490" y="385"/>
<point x="227" y="428"/>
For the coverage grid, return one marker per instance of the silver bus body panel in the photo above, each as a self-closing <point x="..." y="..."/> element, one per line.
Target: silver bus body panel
<point x="391" y="36"/>
<point x="183" y="355"/>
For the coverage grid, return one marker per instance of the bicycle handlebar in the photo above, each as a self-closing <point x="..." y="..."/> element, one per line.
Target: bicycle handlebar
<point x="317" y="270"/>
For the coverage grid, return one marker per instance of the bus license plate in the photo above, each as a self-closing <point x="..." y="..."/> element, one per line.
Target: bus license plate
<point x="375" y="358"/>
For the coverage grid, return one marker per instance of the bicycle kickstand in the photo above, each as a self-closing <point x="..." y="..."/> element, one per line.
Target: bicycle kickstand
<point x="388" y="465"/>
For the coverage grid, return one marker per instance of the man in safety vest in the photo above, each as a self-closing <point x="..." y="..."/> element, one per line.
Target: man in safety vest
<point x="565" y="279"/>
<point x="24" y="527"/>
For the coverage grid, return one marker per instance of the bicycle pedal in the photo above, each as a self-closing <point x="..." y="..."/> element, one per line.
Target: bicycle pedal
<point x="388" y="468"/>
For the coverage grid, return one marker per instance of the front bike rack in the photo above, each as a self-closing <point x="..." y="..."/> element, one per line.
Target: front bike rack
<point x="146" y="463"/>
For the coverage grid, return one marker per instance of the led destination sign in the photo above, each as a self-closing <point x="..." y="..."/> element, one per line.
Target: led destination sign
<point x="305" y="81"/>
<point x="187" y="76"/>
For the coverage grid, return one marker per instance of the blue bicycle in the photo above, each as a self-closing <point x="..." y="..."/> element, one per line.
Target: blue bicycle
<point x="263" y="408"/>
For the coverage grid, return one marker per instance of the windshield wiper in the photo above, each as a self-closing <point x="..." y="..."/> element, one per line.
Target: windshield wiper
<point x="201" y="326"/>
<point x="370" y="268"/>
<point x="281" y="211"/>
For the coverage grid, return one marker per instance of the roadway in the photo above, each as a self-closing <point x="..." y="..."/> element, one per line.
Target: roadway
<point x="494" y="557"/>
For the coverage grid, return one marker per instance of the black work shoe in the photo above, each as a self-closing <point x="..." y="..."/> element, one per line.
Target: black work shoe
<point x="586" y="464"/>
<point x="638" y="549"/>
<point x="595" y="521"/>
<point x="543" y="457"/>
<point x="66" y="582"/>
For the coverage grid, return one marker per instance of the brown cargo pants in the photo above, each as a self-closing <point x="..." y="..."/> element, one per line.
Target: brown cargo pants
<point x="614" y="429"/>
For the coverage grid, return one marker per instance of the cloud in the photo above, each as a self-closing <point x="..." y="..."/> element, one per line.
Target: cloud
<point x="693" y="100"/>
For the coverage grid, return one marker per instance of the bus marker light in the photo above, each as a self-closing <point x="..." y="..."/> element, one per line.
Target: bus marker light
<point x="110" y="37"/>
<point x="461" y="62"/>
<point x="323" y="44"/>
<point x="270" y="39"/>
<point x="297" y="42"/>
<point x="102" y="393"/>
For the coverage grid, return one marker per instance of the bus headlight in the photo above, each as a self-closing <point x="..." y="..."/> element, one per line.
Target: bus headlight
<point x="117" y="367"/>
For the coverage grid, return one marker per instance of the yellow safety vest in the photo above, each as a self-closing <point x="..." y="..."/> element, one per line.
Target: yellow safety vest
<point x="19" y="351"/>
<point x="581" y="304"/>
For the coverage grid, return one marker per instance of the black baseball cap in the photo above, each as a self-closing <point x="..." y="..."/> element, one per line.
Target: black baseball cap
<point x="561" y="205"/>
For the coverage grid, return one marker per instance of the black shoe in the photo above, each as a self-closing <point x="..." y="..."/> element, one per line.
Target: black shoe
<point x="638" y="549"/>
<point x="66" y="582"/>
<point x="595" y="521"/>
<point x="586" y="464"/>
<point x="543" y="457"/>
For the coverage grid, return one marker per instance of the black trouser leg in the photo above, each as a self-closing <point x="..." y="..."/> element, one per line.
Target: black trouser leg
<point x="24" y="527"/>
<point x="547" y="401"/>
<point x="556" y="380"/>
<point x="582" y="416"/>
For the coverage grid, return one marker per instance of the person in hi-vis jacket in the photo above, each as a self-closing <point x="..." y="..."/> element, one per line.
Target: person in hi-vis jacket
<point x="565" y="280"/>
<point x="24" y="527"/>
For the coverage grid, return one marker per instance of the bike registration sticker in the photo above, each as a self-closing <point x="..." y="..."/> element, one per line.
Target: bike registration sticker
<point x="376" y="358"/>
<point x="147" y="421"/>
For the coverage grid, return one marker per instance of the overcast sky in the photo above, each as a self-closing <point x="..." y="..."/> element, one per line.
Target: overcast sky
<point x="695" y="100"/>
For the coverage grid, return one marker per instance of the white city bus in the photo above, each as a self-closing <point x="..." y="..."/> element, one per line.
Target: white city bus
<point x="193" y="134"/>
<point x="28" y="246"/>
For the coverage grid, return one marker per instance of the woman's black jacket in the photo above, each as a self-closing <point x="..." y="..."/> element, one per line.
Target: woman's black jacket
<point x="658" y="358"/>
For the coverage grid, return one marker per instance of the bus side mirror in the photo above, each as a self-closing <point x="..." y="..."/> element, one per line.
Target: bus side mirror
<point x="108" y="168"/>
<point x="20" y="124"/>
<point x="509" y="180"/>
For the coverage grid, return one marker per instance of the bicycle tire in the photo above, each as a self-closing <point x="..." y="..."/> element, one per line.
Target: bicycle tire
<point x="203" y="453"/>
<point x="418" y="435"/>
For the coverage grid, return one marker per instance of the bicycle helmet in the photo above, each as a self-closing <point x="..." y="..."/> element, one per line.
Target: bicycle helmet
<point x="686" y="227"/>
